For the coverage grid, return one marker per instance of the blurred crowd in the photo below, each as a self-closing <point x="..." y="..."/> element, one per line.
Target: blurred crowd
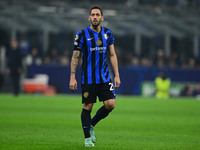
<point x="160" y="60"/>
<point x="172" y="61"/>
<point x="55" y="57"/>
<point x="190" y="90"/>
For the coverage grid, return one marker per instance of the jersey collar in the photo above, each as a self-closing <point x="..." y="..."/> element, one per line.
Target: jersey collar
<point x="94" y="31"/>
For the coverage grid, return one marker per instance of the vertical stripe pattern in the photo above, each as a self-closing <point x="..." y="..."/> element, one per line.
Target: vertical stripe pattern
<point x="85" y="56"/>
<point x="94" y="47"/>
<point x="101" y="58"/>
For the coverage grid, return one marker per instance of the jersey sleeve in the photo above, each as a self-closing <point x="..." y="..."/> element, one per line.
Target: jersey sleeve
<point x="78" y="41"/>
<point x="111" y="39"/>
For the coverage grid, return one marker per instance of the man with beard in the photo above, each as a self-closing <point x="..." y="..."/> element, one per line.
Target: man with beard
<point x="94" y="42"/>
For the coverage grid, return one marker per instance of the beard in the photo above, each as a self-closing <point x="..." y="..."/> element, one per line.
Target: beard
<point x="95" y="24"/>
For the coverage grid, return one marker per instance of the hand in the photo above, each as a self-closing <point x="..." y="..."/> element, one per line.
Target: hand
<point x="73" y="84"/>
<point x="117" y="81"/>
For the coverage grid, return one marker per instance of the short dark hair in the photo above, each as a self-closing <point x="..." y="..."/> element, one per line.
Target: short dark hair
<point x="96" y="7"/>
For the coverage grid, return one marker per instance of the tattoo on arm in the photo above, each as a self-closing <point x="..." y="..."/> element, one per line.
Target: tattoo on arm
<point x="73" y="72"/>
<point x="74" y="61"/>
<point x="75" y="54"/>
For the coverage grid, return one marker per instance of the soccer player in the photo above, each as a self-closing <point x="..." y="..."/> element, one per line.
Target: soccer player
<point x="94" y="42"/>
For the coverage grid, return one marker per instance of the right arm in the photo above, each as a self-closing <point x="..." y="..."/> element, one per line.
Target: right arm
<point x="74" y="63"/>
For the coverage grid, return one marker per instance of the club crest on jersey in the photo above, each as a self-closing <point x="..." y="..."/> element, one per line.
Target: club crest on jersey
<point x="99" y="42"/>
<point x="106" y="36"/>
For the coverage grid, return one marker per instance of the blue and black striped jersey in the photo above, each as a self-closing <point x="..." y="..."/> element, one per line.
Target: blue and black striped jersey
<point x="94" y="47"/>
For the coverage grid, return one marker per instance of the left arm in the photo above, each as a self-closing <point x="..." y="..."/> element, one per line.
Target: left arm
<point x="114" y="63"/>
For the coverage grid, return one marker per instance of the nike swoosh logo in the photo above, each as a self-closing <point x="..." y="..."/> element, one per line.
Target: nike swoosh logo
<point x="89" y="39"/>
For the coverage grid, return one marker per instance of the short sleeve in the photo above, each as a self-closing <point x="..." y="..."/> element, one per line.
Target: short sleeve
<point x="111" y="39"/>
<point x="78" y="41"/>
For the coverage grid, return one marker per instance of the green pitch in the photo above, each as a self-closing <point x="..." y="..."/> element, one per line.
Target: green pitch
<point x="32" y="122"/>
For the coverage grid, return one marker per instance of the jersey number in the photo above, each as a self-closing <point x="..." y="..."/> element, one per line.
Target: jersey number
<point x="111" y="87"/>
<point x="76" y="38"/>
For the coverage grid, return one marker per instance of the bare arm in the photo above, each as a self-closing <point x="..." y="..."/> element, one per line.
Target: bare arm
<point x="74" y="63"/>
<point x="114" y="63"/>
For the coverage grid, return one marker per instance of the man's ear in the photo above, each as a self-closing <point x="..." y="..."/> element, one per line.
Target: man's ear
<point x="89" y="18"/>
<point x="102" y="18"/>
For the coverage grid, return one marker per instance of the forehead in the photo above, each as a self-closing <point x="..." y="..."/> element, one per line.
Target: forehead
<point x="95" y="11"/>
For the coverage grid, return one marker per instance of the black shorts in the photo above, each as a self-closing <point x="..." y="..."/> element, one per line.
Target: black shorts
<point x="104" y="92"/>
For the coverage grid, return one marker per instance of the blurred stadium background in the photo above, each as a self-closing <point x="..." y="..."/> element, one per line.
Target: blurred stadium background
<point x="150" y="36"/>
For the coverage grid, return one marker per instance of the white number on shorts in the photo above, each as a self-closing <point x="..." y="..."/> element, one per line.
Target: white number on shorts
<point x="111" y="87"/>
<point x="76" y="38"/>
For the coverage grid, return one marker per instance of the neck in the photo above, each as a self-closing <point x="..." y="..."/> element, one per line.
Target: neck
<point x="96" y="28"/>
